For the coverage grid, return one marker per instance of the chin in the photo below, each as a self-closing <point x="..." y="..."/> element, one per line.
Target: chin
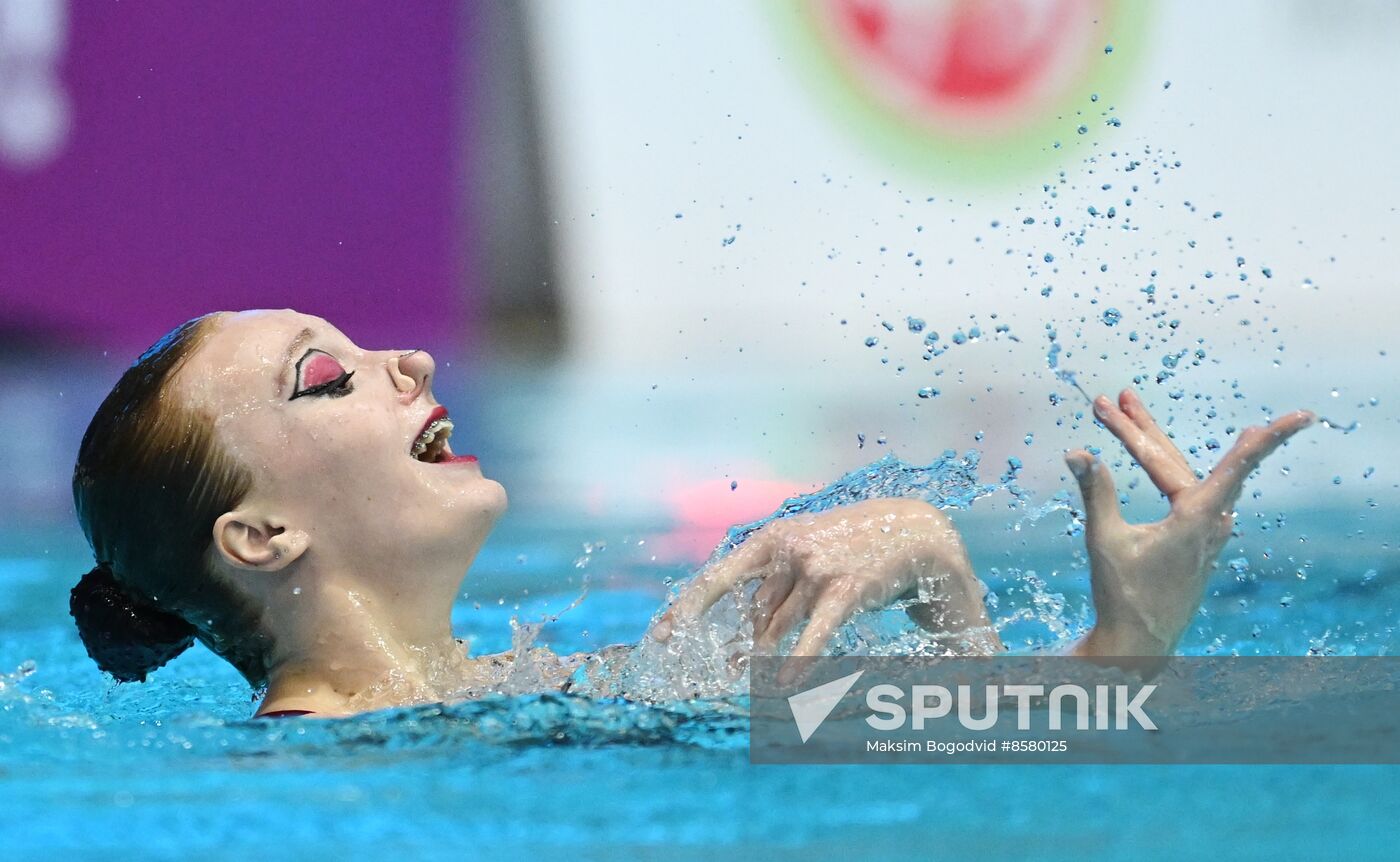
<point x="456" y="524"/>
<point x="486" y="503"/>
<point x="495" y="498"/>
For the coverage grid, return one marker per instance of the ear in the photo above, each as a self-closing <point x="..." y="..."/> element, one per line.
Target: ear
<point x="249" y="541"/>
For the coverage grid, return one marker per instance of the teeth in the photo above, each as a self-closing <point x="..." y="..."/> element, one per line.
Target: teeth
<point x="435" y="433"/>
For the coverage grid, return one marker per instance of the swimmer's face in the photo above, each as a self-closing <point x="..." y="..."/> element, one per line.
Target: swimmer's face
<point x="332" y="436"/>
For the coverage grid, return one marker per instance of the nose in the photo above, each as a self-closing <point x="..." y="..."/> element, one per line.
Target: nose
<point x="411" y="372"/>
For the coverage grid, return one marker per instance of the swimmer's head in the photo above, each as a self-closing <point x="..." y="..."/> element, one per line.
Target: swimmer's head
<point x="254" y="477"/>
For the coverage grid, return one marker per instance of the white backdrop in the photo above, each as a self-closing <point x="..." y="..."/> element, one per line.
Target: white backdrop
<point x="1281" y="114"/>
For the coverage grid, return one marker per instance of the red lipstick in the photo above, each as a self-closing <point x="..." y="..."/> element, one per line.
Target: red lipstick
<point x="439" y="412"/>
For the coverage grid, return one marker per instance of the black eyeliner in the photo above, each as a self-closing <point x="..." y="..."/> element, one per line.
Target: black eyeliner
<point x="320" y="387"/>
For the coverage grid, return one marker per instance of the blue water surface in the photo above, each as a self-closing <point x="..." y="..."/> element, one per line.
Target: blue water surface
<point x="174" y="768"/>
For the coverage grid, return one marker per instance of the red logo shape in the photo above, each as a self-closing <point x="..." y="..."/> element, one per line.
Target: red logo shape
<point x="971" y="64"/>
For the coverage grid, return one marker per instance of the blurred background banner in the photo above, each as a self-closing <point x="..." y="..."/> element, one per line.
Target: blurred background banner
<point x="163" y="159"/>
<point x="692" y="257"/>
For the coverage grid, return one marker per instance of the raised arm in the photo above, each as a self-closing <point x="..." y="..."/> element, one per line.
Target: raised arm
<point x="1148" y="579"/>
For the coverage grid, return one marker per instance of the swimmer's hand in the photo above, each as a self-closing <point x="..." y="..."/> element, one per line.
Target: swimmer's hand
<point x="1148" y="579"/>
<point x="826" y="567"/>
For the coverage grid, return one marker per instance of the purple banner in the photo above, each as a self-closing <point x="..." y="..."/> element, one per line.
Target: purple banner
<point x="163" y="159"/>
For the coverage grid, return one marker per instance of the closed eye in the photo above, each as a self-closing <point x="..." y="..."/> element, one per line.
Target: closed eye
<point x="319" y="373"/>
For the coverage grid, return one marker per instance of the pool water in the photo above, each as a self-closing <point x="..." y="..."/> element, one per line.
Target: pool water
<point x="174" y="767"/>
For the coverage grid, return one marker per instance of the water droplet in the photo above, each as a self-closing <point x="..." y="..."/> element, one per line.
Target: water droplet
<point x="1111" y="316"/>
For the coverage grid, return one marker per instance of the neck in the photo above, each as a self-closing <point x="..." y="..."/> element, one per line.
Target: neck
<point x="341" y="650"/>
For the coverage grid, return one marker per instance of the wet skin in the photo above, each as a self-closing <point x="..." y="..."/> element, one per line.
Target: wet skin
<point x="356" y="549"/>
<point x="1147" y="579"/>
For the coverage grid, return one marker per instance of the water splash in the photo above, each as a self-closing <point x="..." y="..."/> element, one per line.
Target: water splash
<point x="708" y="657"/>
<point x="1065" y="375"/>
<point x="1338" y="426"/>
<point x="950" y="482"/>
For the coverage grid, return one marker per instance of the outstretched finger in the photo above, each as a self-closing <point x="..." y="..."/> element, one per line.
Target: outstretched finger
<point x="743" y="563"/>
<point x="823" y="624"/>
<point x="1131" y="403"/>
<point x="1164" y="466"/>
<point x="1256" y="443"/>
<point x="793" y="610"/>
<point x="1096" y="487"/>
<point x="769" y="597"/>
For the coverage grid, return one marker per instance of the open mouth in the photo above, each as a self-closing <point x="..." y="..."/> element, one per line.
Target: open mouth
<point x="430" y="446"/>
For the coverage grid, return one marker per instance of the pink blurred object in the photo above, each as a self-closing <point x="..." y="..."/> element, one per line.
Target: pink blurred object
<point x="703" y="511"/>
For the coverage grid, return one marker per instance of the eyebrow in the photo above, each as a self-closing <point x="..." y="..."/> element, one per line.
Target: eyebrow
<point x="298" y="341"/>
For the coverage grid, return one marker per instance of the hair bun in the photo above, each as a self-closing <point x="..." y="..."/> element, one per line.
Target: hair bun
<point x="127" y="639"/>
